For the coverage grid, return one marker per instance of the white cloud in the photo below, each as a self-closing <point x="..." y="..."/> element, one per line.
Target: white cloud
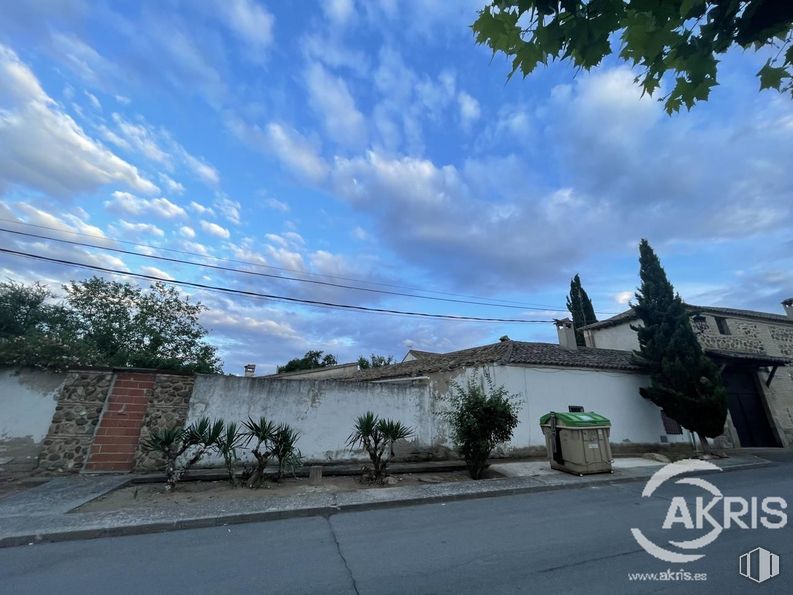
<point x="140" y="228"/>
<point x="187" y="232"/>
<point x="276" y="205"/>
<point x="171" y="185"/>
<point x="230" y="209"/>
<point x="339" y="12"/>
<point x="200" y="209"/>
<point x="469" y="108"/>
<point x="290" y="147"/>
<point x="204" y="171"/>
<point x="215" y="229"/>
<point x="93" y="100"/>
<point x="155" y="272"/>
<point x="623" y="297"/>
<point x="134" y="205"/>
<point x="73" y="163"/>
<point x="330" y="98"/>
<point x="250" y="21"/>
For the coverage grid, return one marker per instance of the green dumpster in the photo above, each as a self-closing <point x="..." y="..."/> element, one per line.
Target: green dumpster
<point x="577" y="442"/>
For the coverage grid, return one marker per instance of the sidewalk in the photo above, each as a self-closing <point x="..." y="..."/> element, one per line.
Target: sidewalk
<point x="41" y="514"/>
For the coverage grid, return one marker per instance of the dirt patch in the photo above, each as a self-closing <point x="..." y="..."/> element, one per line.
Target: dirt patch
<point x="189" y="493"/>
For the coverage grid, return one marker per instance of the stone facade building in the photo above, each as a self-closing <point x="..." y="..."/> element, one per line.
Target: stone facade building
<point x="755" y="353"/>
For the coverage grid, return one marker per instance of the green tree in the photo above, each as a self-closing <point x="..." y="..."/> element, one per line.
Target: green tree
<point x="127" y="325"/>
<point x="683" y="37"/>
<point x="684" y="382"/>
<point x="580" y="307"/>
<point x="375" y="361"/>
<point x="35" y="331"/>
<point x="481" y="417"/>
<point x="311" y="360"/>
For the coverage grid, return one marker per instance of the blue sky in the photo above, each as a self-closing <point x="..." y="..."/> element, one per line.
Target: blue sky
<point x="375" y="142"/>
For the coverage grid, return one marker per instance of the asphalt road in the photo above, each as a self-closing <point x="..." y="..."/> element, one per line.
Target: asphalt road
<point x="575" y="541"/>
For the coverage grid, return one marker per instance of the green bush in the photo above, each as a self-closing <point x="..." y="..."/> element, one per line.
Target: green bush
<point x="481" y="417"/>
<point x="377" y="436"/>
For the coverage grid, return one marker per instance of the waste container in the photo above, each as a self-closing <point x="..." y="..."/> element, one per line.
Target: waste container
<point x="577" y="442"/>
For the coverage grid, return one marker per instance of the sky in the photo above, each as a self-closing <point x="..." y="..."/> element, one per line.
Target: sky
<point x="374" y="145"/>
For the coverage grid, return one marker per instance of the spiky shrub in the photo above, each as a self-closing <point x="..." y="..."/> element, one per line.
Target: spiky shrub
<point x="260" y="433"/>
<point x="481" y="416"/>
<point x="194" y="441"/>
<point x="377" y="437"/>
<point x="231" y="439"/>
<point x="285" y="450"/>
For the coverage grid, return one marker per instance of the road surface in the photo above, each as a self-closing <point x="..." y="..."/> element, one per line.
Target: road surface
<point x="575" y="540"/>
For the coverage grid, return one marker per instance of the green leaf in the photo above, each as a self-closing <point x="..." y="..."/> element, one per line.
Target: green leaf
<point x="771" y="76"/>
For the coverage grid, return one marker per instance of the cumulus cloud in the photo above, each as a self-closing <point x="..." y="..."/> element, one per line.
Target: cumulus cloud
<point x="276" y="205"/>
<point x="155" y="272"/>
<point x="230" y="209"/>
<point x="187" y="232"/>
<point x="200" y="209"/>
<point x="124" y="202"/>
<point x="215" y="229"/>
<point x="291" y="148"/>
<point x="73" y="163"/>
<point x="251" y="22"/>
<point x="139" y="229"/>
<point x="469" y="109"/>
<point x="330" y="98"/>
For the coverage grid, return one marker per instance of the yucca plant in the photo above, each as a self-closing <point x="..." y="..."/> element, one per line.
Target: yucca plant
<point x="283" y="448"/>
<point x="377" y="437"/>
<point x="229" y="442"/>
<point x="201" y="436"/>
<point x="261" y="434"/>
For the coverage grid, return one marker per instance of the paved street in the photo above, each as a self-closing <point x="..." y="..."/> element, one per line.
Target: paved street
<point x="558" y="541"/>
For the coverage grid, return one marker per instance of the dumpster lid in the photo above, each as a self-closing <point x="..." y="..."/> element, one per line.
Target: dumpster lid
<point x="584" y="419"/>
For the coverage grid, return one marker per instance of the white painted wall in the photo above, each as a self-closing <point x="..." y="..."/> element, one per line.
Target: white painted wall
<point x="27" y="402"/>
<point x="611" y="393"/>
<point x="621" y="337"/>
<point x="323" y="411"/>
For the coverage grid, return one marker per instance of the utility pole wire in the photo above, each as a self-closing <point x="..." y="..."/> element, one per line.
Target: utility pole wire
<point x="254" y="294"/>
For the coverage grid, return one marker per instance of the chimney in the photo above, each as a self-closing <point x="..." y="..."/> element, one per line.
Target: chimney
<point x="564" y="328"/>
<point x="250" y="369"/>
<point x="788" y="305"/>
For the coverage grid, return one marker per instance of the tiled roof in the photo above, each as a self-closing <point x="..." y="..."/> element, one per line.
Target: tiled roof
<point x="759" y="358"/>
<point x="506" y="352"/>
<point x="421" y="354"/>
<point x="629" y="315"/>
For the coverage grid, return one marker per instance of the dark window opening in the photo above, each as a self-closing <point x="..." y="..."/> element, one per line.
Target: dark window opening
<point x="721" y="323"/>
<point x="670" y="425"/>
<point x="575" y="408"/>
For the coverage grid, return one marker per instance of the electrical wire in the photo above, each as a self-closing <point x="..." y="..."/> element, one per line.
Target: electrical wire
<point x="260" y="274"/>
<point x="241" y="292"/>
<point x="256" y="264"/>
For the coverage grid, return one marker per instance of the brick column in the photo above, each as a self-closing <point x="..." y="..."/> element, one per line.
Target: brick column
<point x="118" y="433"/>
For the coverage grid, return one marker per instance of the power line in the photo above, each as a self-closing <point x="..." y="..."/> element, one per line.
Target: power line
<point x="256" y="264"/>
<point x="259" y="274"/>
<point x="269" y="296"/>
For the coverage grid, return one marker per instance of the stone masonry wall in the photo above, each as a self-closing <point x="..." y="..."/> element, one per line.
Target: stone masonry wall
<point x="80" y="403"/>
<point x="168" y="405"/>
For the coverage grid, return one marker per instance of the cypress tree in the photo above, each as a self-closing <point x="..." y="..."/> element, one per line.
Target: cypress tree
<point x="684" y="382"/>
<point x="581" y="309"/>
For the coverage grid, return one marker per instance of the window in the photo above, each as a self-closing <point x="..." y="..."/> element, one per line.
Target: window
<point x="575" y="408"/>
<point x="721" y="323"/>
<point x="670" y="425"/>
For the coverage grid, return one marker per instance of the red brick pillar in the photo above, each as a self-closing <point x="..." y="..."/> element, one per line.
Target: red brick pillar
<point x="118" y="432"/>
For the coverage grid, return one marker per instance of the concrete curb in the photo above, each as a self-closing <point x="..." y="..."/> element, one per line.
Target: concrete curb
<point x="490" y="491"/>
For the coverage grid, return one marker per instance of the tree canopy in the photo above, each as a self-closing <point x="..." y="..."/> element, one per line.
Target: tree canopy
<point x="684" y="382"/>
<point x="681" y="37"/>
<point x="103" y="323"/>
<point x="375" y="361"/>
<point x="311" y="360"/>
<point x="580" y="307"/>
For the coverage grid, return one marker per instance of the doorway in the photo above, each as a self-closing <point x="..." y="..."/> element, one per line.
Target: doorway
<point x="747" y="407"/>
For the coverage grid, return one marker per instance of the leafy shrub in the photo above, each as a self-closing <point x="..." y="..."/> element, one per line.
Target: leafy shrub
<point x="261" y="433"/>
<point x="377" y="437"/>
<point x="194" y="441"/>
<point x="285" y="450"/>
<point x="229" y="442"/>
<point x="480" y="418"/>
